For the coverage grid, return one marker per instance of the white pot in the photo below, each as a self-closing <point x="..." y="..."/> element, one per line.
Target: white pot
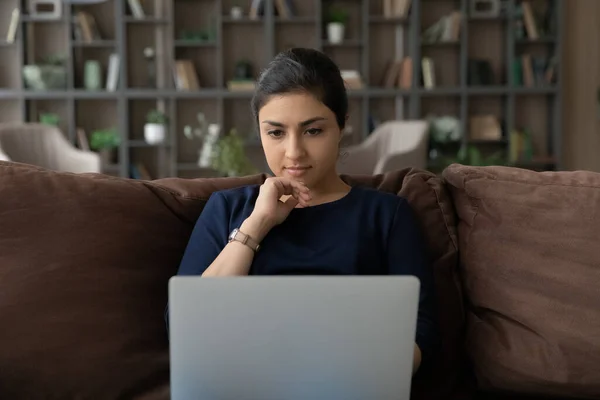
<point x="154" y="133"/>
<point x="236" y="12"/>
<point x="335" y="32"/>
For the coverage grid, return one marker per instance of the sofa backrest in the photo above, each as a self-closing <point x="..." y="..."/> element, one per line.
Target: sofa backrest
<point x="84" y="265"/>
<point x="530" y="267"/>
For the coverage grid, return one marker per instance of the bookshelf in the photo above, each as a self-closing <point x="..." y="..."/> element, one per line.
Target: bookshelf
<point x="205" y="32"/>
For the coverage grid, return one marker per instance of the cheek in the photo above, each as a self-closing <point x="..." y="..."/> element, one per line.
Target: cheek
<point x="273" y="154"/>
<point x="325" y="150"/>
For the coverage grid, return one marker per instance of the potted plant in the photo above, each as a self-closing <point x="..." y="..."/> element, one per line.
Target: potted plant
<point x="229" y="156"/>
<point x="155" y="127"/>
<point x="105" y="141"/>
<point x="336" y="25"/>
<point x="50" y="73"/>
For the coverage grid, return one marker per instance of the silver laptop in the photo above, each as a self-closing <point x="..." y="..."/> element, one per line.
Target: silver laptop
<point x="292" y="337"/>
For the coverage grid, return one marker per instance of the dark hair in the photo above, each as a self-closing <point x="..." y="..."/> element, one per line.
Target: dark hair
<point x="303" y="70"/>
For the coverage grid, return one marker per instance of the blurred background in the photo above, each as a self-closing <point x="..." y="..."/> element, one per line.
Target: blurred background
<point x="147" y="89"/>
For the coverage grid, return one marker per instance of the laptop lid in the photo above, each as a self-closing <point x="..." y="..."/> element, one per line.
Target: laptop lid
<point x="300" y="337"/>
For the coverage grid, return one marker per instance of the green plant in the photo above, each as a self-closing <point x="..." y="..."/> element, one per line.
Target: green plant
<point x="337" y="14"/>
<point x="156" y="117"/>
<point x="54" y="60"/>
<point x="470" y="155"/>
<point x="105" y="139"/>
<point x="229" y="157"/>
<point x="49" y="119"/>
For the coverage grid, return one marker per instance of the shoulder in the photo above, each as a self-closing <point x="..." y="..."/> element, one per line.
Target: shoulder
<point x="240" y="194"/>
<point x="378" y="198"/>
<point x="234" y="202"/>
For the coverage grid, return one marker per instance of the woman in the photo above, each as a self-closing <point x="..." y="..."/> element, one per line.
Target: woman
<point x="305" y="219"/>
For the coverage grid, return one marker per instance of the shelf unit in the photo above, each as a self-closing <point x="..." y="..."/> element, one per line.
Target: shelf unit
<point x="372" y="40"/>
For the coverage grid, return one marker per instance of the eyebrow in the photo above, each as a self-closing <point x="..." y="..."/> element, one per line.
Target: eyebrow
<point x="303" y="123"/>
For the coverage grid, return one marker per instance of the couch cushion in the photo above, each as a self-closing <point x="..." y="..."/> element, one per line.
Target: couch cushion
<point x="530" y="264"/>
<point x="84" y="266"/>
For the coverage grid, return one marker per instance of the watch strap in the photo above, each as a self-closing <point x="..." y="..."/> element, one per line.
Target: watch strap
<point x="239" y="236"/>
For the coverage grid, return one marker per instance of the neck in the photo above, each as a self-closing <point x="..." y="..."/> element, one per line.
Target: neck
<point x="330" y="189"/>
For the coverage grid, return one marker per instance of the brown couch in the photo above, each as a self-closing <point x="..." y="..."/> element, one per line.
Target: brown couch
<point x="85" y="260"/>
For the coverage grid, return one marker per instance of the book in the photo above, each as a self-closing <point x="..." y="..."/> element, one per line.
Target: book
<point x="14" y="24"/>
<point x="112" y="77"/>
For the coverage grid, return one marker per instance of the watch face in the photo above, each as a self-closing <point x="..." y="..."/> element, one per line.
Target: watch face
<point x="232" y="234"/>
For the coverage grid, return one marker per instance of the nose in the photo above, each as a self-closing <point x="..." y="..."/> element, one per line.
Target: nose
<point x="294" y="147"/>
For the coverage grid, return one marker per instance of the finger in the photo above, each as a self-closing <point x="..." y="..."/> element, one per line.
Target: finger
<point x="283" y="188"/>
<point x="289" y="187"/>
<point x="305" y="196"/>
<point x="298" y="185"/>
<point x="290" y="203"/>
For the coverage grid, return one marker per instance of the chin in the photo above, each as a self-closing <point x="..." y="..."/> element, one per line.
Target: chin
<point x="306" y="177"/>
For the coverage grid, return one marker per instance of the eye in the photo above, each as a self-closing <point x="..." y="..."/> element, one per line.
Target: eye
<point x="276" y="133"/>
<point x="313" y="131"/>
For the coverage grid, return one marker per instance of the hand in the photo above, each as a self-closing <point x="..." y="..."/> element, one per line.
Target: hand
<point x="270" y="208"/>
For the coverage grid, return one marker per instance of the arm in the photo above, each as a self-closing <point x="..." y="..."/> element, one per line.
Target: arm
<point x="208" y="253"/>
<point x="407" y="256"/>
<point x="236" y="258"/>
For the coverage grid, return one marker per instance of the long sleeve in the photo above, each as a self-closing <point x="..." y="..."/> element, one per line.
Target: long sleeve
<point x="208" y="238"/>
<point x="407" y="256"/>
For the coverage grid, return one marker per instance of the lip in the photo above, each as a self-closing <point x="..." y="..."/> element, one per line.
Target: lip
<point x="297" y="171"/>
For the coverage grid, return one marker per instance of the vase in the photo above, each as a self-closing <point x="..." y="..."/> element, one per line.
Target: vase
<point x="92" y="75"/>
<point x="154" y="133"/>
<point x="210" y="140"/>
<point x="335" y="32"/>
<point x="236" y="12"/>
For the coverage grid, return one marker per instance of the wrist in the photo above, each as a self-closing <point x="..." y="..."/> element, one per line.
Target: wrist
<point x="256" y="227"/>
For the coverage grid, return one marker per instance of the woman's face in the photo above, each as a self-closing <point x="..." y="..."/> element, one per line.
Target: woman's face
<point x="300" y="138"/>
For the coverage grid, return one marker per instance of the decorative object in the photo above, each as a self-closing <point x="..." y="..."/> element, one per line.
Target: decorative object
<point x="521" y="146"/>
<point x="484" y="127"/>
<point x="208" y="34"/>
<point x="444" y="135"/>
<point x="446" y="29"/>
<point x="92" y="75"/>
<point x="190" y="133"/>
<point x="470" y="155"/>
<point x="51" y="119"/>
<point x="85" y="1"/>
<point x="45" y="9"/>
<point x="205" y="159"/>
<point x="155" y="127"/>
<point x="49" y="74"/>
<point x="243" y="70"/>
<point x="150" y="57"/>
<point x="336" y="25"/>
<point x="236" y="12"/>
<point x="105" y="141"/>
<point x="230" y="157"/>
<point x="484" y="8"/>
<point x="444" y="129"/>
<point x="243" y="76"/>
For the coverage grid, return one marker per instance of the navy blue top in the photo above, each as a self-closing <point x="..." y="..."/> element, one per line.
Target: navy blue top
<point x="367" y="232"/>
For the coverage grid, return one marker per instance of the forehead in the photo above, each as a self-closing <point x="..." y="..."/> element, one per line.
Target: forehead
<point x="293" y="106"/>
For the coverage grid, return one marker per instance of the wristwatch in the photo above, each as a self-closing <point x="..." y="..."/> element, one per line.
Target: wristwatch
<point x="241" y="237"/>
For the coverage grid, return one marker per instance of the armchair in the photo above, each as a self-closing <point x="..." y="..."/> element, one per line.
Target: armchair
<point x="44" y="146"/>
<point x="392" y="146"/>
